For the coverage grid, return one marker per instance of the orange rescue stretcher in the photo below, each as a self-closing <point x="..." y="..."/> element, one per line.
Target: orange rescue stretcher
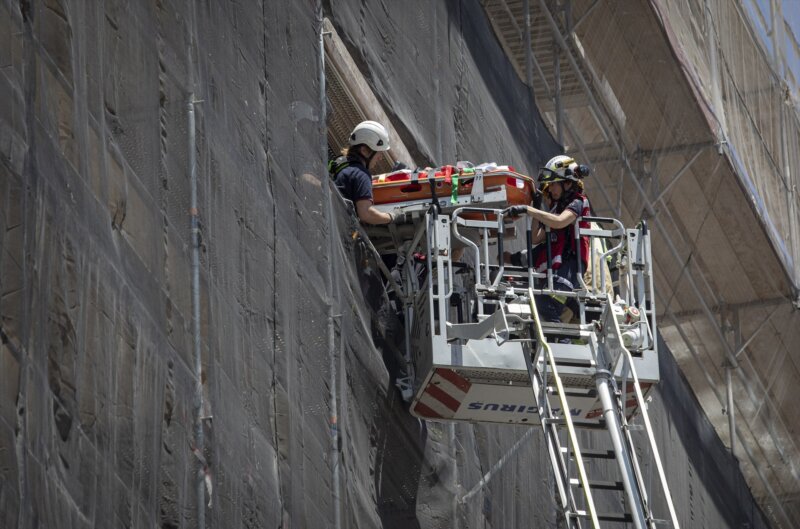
<point x="450" y="182"/>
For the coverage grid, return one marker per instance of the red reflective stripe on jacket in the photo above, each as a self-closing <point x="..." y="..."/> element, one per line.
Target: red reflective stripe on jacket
<point x="563" y="238"/>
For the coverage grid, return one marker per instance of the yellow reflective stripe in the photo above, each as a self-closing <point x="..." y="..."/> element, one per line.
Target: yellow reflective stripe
<point x="560" y="299"/>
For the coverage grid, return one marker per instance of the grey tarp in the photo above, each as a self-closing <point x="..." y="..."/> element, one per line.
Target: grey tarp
<point x="96" y="378"/>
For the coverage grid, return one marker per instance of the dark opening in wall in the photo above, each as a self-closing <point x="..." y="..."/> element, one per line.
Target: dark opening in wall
<point x="350" y="100"/>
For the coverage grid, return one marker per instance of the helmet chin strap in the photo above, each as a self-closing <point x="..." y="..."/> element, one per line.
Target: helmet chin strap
<point x="366" y="159"/>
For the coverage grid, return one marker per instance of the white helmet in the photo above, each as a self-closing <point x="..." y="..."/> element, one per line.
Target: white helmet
<point x="372" y="134"/>
<point x="560" y="168"/>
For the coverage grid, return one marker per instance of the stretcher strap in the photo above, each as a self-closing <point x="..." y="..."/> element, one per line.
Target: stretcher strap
<point x="454" y="193"/>
<point x="432" y="185"/>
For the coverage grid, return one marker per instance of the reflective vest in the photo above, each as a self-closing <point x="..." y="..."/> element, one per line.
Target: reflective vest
<point x="562" y="241"/>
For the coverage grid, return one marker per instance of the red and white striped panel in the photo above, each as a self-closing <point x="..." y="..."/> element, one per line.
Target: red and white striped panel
<point x="443" y="395"/>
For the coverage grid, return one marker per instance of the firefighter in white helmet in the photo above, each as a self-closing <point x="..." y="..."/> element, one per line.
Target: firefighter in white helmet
<point x="351" y="172"/>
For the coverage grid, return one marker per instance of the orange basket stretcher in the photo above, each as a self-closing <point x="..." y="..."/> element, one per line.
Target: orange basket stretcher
<point x="495" y="185"/>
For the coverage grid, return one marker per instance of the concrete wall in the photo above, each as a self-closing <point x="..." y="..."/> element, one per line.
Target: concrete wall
<point x="96" y="376"/>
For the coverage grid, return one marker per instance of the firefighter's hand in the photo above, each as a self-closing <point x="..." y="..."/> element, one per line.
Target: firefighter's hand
<point x="396" y="216"/>
<point x="517" y="210"/>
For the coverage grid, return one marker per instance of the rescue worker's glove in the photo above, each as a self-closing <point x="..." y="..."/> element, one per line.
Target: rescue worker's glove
<point x="517" y="210"/>
<point x="519" y="258"/>
<point x="396" y="216"/>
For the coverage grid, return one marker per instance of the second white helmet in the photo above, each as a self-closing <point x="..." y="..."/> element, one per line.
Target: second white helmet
<point x="372" y="134"/>
<point x="560" y="167"/>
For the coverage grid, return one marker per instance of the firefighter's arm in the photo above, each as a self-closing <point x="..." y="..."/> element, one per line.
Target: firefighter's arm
<point x="562" y="220"/>
<point x="369" y="214"/>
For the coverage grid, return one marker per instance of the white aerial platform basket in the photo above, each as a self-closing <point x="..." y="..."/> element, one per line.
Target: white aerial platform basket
<point x="474" y="368"/>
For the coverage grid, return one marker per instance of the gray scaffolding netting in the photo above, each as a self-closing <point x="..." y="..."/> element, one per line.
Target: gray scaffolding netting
<point x="299" y="410"/>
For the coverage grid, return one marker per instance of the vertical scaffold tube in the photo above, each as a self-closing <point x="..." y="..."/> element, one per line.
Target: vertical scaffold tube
<point x="197" y="349"/>
<point x="332" y="356"/>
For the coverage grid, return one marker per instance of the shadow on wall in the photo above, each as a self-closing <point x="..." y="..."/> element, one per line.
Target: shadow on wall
<point x="398" y="438"/>
<point x="511" y="96"/>
<point x="711" y="461"/>
<point x="399" y="464"/>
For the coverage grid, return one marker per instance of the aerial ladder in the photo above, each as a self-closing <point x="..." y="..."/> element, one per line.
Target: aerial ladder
<point x="478" y="351"/>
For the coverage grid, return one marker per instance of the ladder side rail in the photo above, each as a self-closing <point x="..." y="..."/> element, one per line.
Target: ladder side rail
<point x="637" y="469"/>
<point x="572" y="435"/>
<point x="651" y="438"/>
<point x="628" y="359"/>
<point x="550" y="430"/>
<point x="565" y="495"/>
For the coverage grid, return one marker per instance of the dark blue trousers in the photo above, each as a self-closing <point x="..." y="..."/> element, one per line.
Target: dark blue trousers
<point x="564" y="279"/>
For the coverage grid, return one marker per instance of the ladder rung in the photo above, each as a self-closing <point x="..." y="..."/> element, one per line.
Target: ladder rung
<point x="560" y="421"/>
<point x="634" y="427"/>
<point x="573" y="362"/>
<point x="598" y="484"/>
<point x="555" y="326"/>
<point x="605" y="516"/>
<point x="569" y="392"/>
<point x="593" y="453"/>
<point x="611" y="517"/>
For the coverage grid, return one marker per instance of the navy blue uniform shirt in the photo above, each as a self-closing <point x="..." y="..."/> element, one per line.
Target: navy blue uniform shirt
<point x="354" y="181"/>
